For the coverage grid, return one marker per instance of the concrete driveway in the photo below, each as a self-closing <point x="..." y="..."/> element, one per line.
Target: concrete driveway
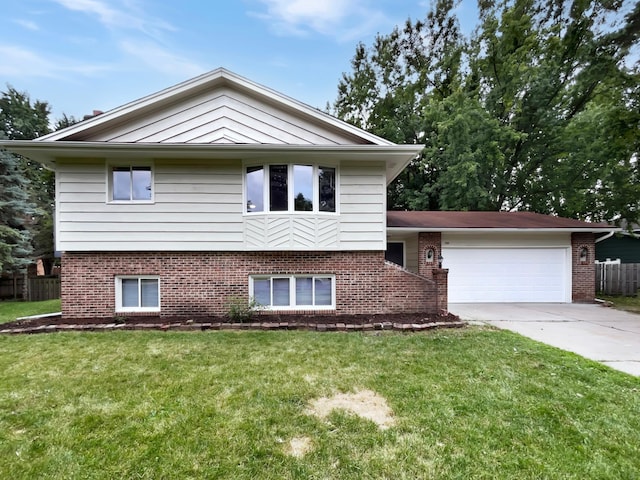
<point x="600" y="333"/>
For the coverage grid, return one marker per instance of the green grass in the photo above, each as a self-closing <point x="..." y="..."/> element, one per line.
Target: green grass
<point x="10" y="310"/>
<point x="473" y="403"/>
<point x="630" y="304"/>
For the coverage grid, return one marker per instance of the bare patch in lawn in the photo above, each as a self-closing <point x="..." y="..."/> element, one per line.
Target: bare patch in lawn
<point x="299" y="446"/>
<point x="364" y="403"/>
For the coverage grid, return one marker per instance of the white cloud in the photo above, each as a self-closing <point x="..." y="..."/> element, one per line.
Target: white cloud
<point x="138" y="33"/>
<point x="20" y="62"/>
<point x="341" y="19"/>
<point x="160" y="59"/>
<point x="128" y="16"/>
<point x="28" y="24"/>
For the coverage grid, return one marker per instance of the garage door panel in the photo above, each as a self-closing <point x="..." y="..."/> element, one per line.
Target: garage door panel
<point x="506" y="274"/>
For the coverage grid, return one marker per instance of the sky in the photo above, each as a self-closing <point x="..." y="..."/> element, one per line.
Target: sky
<point x="85" y="55"/>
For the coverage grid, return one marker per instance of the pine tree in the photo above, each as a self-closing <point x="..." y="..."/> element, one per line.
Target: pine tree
<point x="15" y="212"/>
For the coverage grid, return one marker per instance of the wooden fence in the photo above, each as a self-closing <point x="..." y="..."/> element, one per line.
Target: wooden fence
<point x="40" y="288"/>
<point x="44" y="288"/>
<point x="618" y="278"/>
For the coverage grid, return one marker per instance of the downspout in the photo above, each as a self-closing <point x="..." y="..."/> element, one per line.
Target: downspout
<point x="604" y="237"/>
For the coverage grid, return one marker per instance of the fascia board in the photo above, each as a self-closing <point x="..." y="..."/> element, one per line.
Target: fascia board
<point x="506" y="230"/>
<point x="396" y="157"/>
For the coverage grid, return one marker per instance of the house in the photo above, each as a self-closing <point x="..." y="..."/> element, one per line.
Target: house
<point x="623" y="246"/>
<point x="220" y="190"/>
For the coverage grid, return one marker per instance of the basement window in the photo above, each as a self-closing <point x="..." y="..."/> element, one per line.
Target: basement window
<point x="308" y="292"/>
<point x="137" y="294"/>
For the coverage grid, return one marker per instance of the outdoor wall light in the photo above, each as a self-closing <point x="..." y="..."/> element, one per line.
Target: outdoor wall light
<point x="440" y="259"/>
<point x="430" y="255"/>
<point x="584" y="255"/>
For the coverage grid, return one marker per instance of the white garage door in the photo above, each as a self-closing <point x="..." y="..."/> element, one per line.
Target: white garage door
<point x="507" y="274"/>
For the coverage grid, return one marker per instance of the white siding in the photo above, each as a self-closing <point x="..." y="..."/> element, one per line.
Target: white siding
<point x="362" y="206"/>
<point x="224" y="115"/>
<point x="197" y="206"/>
<point x="291" y="232"/>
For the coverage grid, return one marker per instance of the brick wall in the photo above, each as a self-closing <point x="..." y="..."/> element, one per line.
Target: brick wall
<point x="199" y="283"/>
<point x="427" y="240"/>
<point x="583" y="269"/>
<point x="406" y="292"/>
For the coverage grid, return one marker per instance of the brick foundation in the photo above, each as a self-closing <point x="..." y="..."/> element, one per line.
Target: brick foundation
<point x="583" y="270"/>
<point x="204" y="283"/>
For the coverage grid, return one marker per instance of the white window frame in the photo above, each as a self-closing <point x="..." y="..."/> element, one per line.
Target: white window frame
<point x="290" y="191"/>
<point x="109" y="179"/>
<point x="292" y="291"/>
<point x="118" y="285"/>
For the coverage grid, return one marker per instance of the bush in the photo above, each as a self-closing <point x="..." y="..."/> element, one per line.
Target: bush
<point x="241" y="310"/>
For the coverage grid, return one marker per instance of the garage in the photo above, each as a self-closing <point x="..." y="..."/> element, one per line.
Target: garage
<point x="501" y="257"/>
<point x="508" y="274"/>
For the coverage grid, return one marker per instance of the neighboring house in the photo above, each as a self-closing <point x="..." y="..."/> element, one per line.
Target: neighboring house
<point x="219" y="190"/>
<point x="623" y="245"/>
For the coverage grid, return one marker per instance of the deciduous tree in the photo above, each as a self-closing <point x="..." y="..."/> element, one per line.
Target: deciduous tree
<point x="536" y="110"/>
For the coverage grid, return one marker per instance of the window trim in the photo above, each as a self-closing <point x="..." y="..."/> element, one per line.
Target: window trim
<point x="118" y="288"/>
<point x="291" y="191"/>
<point x="109" y="181"/>
<point x="292" y="291"/>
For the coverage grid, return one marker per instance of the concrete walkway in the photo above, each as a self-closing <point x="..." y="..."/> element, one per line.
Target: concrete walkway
<point x="596" y="332"/>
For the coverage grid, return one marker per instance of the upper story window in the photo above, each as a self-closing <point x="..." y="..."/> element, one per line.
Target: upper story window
<point x="131" y="184"/>
<point x="290" y="188"/>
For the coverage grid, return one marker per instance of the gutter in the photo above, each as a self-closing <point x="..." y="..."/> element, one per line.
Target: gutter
<point x="604" y="237"/>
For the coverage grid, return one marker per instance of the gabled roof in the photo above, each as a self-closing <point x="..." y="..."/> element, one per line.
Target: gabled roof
<point x="442" y="221"/>
<point x="216" y="115"/>
<point x="217" y="107"/>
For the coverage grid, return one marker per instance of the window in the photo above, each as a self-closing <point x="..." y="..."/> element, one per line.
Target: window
<point x="131" y="184"/>
<point x="395" y="253"/>
<point x="138" y="294"/>
<point x="291" y="292"/>
<point x="290" y="188"/>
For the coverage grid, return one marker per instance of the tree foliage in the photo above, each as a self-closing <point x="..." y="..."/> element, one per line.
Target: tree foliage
<point x="27" y="188"/>
<point x="15" y="210"/>
<point x="536" y="110"/>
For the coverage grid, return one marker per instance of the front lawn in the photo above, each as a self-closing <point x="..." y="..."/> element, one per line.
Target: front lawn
<point x="473" y="403"/>
<point x="10" y="310"/>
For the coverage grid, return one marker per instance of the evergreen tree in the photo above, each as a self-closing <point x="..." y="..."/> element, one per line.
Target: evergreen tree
<point x="27" y="187"/>
<point x="15" y="213"/>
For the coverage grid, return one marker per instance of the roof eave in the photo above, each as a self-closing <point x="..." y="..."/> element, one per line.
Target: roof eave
<point x="396" y="157"/>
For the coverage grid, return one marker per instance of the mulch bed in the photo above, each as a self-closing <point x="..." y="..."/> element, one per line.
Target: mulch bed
<point x="262" y="321"/>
